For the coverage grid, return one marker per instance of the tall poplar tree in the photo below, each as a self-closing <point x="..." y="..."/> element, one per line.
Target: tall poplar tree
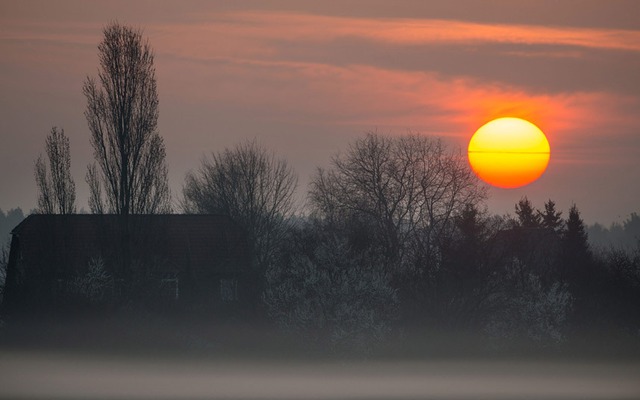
<point x="130" y="172"/>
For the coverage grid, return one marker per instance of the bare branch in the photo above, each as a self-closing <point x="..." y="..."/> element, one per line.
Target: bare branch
<point x="250" y="185"/>
<point x="122" y="114"/>
<point x="56" y="188"/>
<point x="406" y="189"/>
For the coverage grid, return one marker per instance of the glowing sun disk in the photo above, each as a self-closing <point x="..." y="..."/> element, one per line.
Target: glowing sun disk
<point x="509" y="152"/>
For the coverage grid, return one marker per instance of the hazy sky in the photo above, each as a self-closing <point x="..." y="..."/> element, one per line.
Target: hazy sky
<point x="306" y="78"/>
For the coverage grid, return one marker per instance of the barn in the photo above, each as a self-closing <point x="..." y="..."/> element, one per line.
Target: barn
<point x="64" y="263"/>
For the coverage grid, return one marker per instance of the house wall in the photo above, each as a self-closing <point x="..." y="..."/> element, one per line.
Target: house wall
<point x="171" y="264"/>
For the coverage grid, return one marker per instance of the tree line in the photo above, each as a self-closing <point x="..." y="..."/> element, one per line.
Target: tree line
<point x="394" y="234"/>
<point x="129" y="175"/>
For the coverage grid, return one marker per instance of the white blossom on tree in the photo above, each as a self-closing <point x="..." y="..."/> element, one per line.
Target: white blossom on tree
<point x="333" y="297"/>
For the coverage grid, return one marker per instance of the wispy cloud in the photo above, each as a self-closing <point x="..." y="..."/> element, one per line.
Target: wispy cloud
<point x="414" y="31"/>
<point x="537" y="58"/>
<point x="363" y="95"/>
<point x="243" y="58"/>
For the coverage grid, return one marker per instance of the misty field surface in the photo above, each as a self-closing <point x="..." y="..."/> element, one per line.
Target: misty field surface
<point x="86" y="360"/>
<point x="73" y="375"/>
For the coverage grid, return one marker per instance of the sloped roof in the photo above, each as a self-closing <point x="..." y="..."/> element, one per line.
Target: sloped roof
<point x="195" y="240"/>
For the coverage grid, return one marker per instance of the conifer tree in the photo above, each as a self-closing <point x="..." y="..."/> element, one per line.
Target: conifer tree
<point x="527" y="216"/>
<point x="551" y="218"/>
<point x="576" y="254"/>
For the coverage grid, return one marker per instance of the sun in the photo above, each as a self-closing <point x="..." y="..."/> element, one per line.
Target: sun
<point x="509" y="152"/>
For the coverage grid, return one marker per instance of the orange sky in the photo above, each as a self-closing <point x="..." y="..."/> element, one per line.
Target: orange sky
<point x="306" y="79"/>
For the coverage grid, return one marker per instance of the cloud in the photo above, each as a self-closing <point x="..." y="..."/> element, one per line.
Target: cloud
<point x="405" y="31"/>
<point x="368" y="96"/>
<point x="540" y="59"/>
<point x="436" y="76"/>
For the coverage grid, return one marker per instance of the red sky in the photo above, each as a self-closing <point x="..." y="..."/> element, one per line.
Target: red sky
<point x="306" y="78"/>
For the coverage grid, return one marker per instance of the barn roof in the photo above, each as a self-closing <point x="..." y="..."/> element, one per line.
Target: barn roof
<point x="196" y="240"/>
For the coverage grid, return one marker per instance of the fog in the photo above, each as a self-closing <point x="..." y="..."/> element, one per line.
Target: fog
<point x="49" y="375"/>
<point x="155" y="358"/>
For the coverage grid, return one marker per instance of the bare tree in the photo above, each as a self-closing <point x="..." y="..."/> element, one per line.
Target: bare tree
<point x="95" y="190"/>
<point x="408" y="188"/>
<point x="252" y="186"/>
<point x="130" y="174"/>
<point x="56" y="188"/>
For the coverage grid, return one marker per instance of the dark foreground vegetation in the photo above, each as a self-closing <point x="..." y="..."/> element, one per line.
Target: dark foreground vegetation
<point x="382" y="271"/>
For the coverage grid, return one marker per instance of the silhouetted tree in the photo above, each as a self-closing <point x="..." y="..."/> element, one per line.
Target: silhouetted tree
<point x="96" y="205"/>
<point x="9" y="221"/>
<point x="92" y="287"/>
<point x="578" y="269"/>
<point x="56" y="188"/>
<point x="527" y="216"/>
<point x="551" y="218"/>
<point x="252" y="186"/>
<point x="4" y="261"/>
<point x="575" y="241"/>
<point x="403" y="190"/>
<point x="625" y="235"/>
<point x="526" y="309"/>
<point x="333" y="296"/>
<point x="535" y="245"/>
<point x="632" y="229"/>
<point x="464" y="282"/>
<point x="122" y="113"/>
<point x="397" y="196"/>
<point x="617" y="290"/>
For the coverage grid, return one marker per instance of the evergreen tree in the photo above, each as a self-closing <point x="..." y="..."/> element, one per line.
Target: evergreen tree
<point x="461" y="278"/>
<point x="527" y="216"/>
<point x="472" y="231"/>
<point x="575" y="236"/>
<point x="551" y="218"/>
<point x="576" y="254"/>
